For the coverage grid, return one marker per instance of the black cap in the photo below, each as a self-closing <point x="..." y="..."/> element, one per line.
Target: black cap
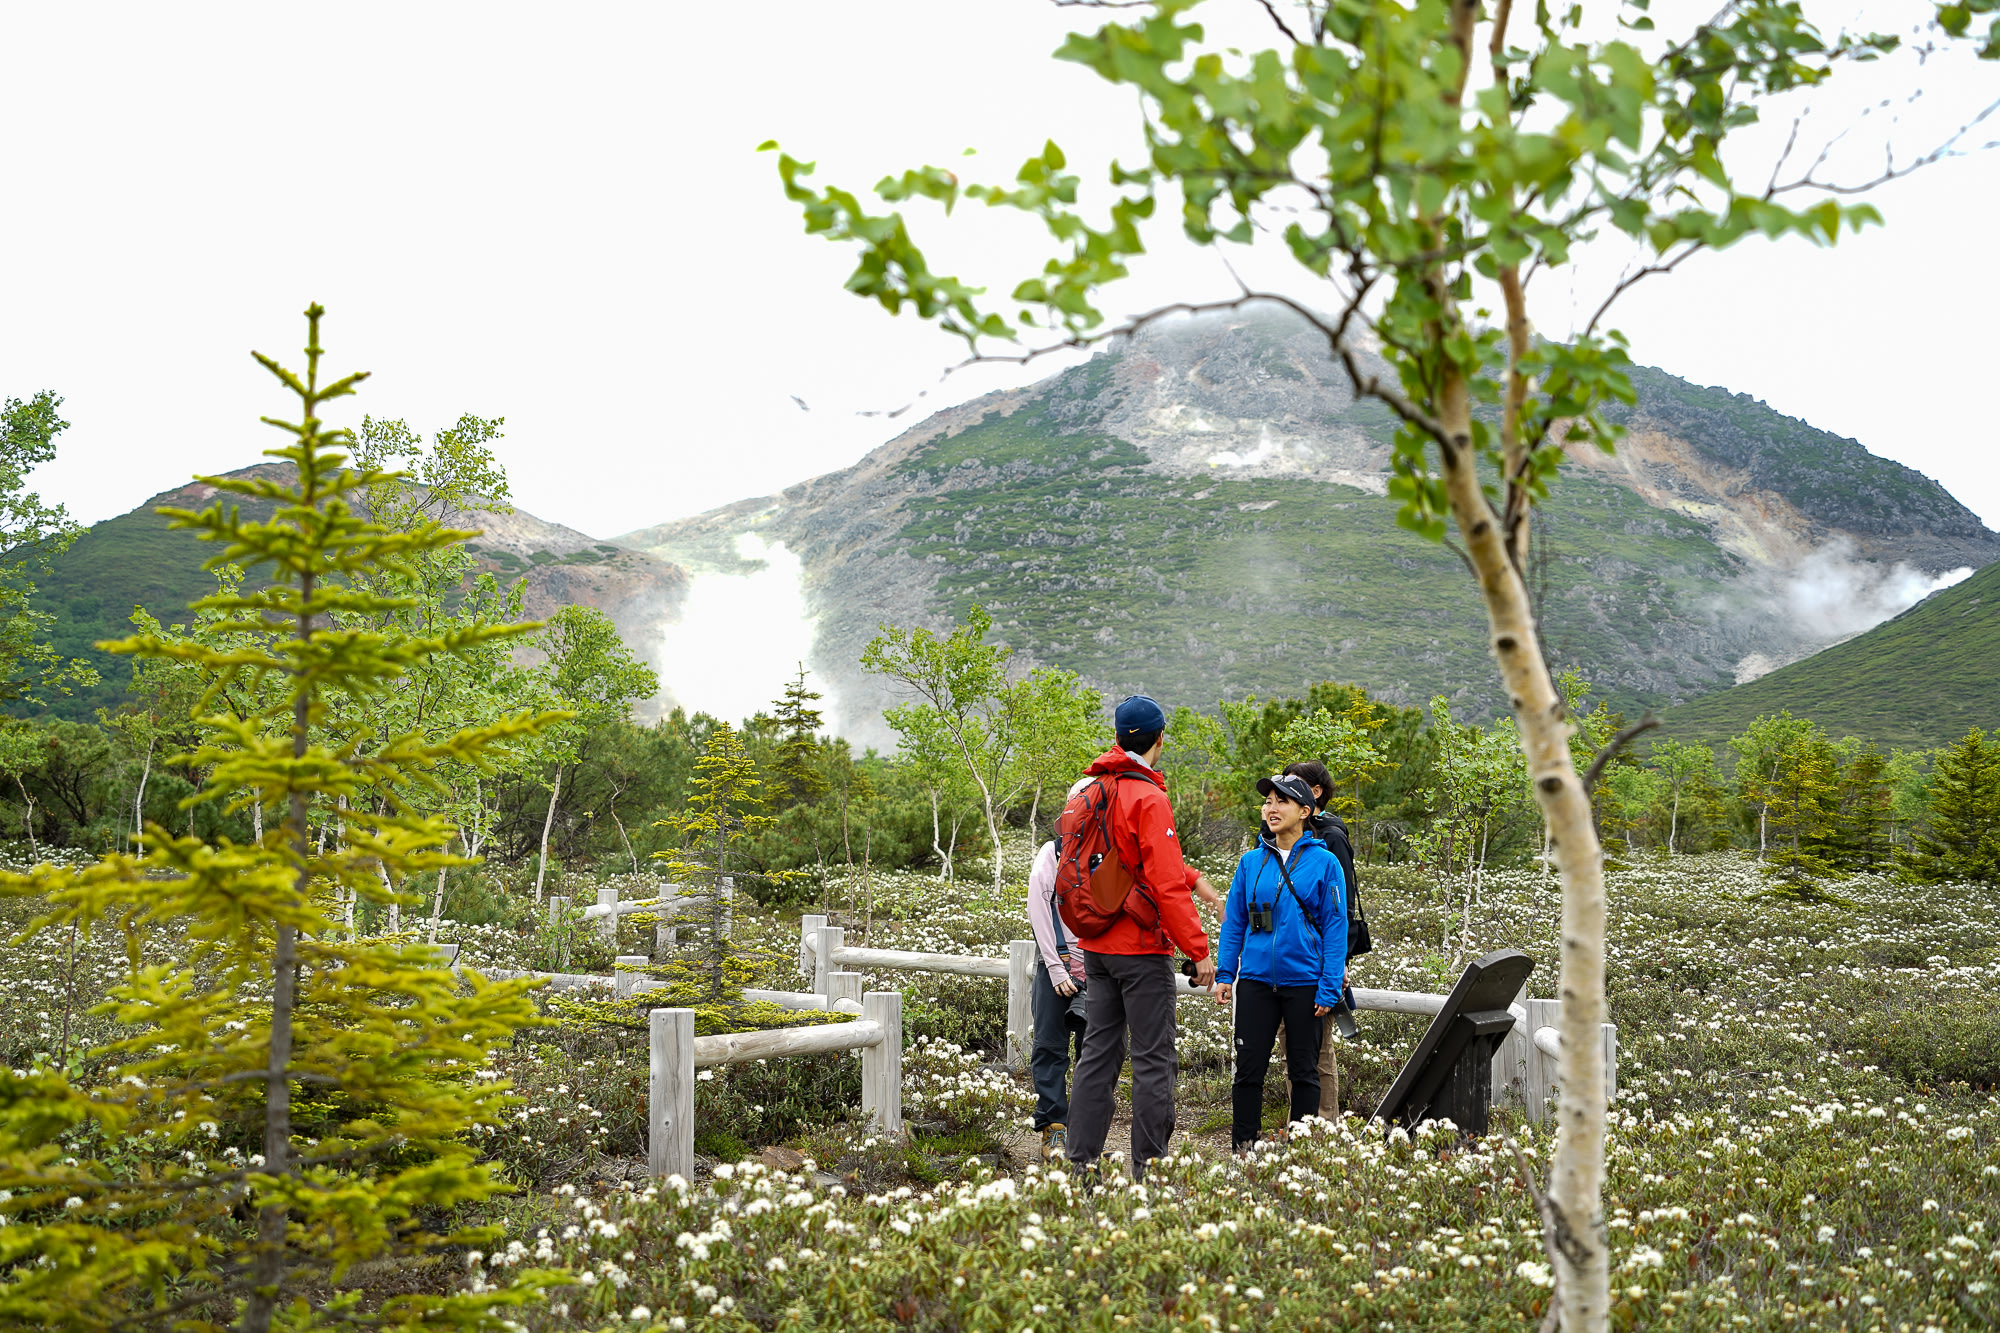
<point x="1295" y="790"/>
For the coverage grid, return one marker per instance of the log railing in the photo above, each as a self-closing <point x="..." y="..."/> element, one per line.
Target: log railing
<point x="676" y="1053"/>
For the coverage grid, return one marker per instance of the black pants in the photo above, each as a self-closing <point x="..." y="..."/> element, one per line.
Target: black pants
<point x="1259" y="1010"/>
<point x="1057" y="1028"/>
<point x="1135" y="991"/>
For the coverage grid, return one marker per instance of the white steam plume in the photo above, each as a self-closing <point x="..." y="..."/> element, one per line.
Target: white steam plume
<point x="740" y="636"/>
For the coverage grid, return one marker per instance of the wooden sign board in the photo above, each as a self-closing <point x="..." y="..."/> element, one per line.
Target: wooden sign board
<point x="1432" y="1086"/>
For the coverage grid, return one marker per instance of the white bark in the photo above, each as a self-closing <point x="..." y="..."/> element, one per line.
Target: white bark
<point x="139" y="801"/>
<point x="1577" y="1183"/>
<point x="542" y="867"/>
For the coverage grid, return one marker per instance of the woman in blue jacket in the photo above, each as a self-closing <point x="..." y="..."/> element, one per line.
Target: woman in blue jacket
<point x="1283" y="954"/>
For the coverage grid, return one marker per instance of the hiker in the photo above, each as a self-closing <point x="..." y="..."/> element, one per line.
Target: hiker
<point x="1128" y="968"/>
<point x="1057" y="1000"/>
<point x="1283" y="953"/>
<point x="1331" y="829"/>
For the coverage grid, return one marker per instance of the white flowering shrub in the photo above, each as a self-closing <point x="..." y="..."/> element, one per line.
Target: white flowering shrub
<point x="953" y="1088"/>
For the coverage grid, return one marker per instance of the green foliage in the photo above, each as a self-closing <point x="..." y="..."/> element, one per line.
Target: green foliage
<point x="1960" y="840"/>
<point x="32" y="535"/>
<point x="955" y="728"/>
<point x="724" y="804"/>
<point x="350" y="1063"/>
<point x="798" y="771"/>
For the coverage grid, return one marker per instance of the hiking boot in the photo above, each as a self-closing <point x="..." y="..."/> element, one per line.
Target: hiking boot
<point x="1055" y="1142"/>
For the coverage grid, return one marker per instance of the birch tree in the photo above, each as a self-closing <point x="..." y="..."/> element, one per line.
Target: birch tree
<point x="960" y="683"/>
<point x="589" y="673"/>
<point x="1423" y="161"/>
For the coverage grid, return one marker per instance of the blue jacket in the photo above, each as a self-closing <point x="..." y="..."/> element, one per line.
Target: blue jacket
<point x="1292" y="954"/>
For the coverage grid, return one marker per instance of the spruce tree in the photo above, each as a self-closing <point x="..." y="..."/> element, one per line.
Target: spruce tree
<point x="798" y="766"/>
<point x="1960" y="837"/>
<point x="724" y="804"/>
<point x="1799" y="801"/>
<point x="280" y="1104"/>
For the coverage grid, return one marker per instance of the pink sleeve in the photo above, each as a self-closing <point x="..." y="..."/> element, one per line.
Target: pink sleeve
<point x="1041" y="893"/>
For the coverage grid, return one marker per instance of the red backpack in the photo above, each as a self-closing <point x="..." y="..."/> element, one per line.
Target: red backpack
<point x="1093" y="887"/>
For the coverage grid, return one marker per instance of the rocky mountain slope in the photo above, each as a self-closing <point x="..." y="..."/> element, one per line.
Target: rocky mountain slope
<point x="1921" y="679"/>
<point x="136" y="560"/>
<point x="1201" y="513"/>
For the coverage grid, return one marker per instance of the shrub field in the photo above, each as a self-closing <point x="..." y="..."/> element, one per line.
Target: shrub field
<point x="1805" y="1137"/>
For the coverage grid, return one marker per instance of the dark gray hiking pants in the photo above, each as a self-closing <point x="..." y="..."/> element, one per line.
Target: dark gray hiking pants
<point x="1134" y="991"/>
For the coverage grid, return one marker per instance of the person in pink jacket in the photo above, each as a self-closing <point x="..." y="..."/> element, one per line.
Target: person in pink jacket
<point x="1058" y="1003"/>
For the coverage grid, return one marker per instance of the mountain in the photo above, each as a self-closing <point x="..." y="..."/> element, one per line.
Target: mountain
<point x="1201" y="512"/>
<point x="1922" y="678"/>
<point x="135" y="559"/>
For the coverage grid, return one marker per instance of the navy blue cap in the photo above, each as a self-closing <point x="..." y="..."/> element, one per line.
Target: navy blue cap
<point x="1139" y="716"/>
<point x="1294" y="789"/>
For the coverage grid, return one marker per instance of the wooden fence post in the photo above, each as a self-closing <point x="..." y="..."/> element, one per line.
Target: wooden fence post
<point x="670" y="1101"/>
<point x="808" y="924"/>
<point x="843" y="986"/>
<point x="622" y="981"/>
<point x="665" y="937"/>
<point x="607" y="925"/>
<point x="881" y="1066"/>
<point x="830" y="939"/>
<point x="1021" y="961"/>
<point x="558" y="909"/>
<point x="1510" y="1060"/>
<point x="1543" y="1072"/>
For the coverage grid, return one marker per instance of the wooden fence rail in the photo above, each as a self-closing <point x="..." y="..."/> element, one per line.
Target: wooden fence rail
<point x="676" y="1053"/>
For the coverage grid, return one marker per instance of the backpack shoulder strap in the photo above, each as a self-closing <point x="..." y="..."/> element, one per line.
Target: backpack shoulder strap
<point x="1286" y="875"/>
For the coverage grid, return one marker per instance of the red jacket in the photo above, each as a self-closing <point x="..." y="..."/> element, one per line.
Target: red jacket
<point x="1142" y="831"/>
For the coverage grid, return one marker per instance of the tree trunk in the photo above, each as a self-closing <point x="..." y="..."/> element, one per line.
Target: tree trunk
<point x="395" y="908"/>
<point x="437" y="899"/>
<point x="29" y="819"/>
<point x="1034" y="817"/>
<point x="1577" y="1184"/>
<point x="1674" y="822"/>
<point x="542" y="866"/>
<point x="868" y="880"/>
<point x="937" y="838"/>
<point x="139" y="801"/>
<point x="268" y="1264"/>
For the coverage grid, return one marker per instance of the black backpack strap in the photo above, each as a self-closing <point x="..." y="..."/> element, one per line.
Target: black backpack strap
<point x="1286" y="875"/>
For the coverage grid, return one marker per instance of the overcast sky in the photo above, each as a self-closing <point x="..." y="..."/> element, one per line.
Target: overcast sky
<point x="554" y="214"/>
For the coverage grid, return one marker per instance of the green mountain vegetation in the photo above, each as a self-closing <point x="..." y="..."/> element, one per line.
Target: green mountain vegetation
<point x="1921" y="679"/>
<point x="1203" y="588"/>
<point x="137" y="560"/>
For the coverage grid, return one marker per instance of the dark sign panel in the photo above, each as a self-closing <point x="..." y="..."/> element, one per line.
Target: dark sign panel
<point x="1449" y="1076"/>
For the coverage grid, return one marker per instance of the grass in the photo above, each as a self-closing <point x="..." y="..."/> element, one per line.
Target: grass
<point x="1922" y="679"/>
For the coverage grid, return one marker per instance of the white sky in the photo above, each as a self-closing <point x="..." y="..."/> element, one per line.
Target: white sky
<point x="553" y="214"/>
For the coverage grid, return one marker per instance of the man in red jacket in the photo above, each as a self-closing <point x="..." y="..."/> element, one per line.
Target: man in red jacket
<point x="1129" y="969"/>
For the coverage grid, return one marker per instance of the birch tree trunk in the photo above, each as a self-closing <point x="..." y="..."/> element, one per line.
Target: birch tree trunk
<point x="139" y="801"/>
<point x="542" y="866"/>
<point x="1576" y="1186"/>
<point x="937" y="839"/>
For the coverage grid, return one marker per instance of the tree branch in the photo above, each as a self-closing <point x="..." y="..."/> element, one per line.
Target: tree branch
<point x="1617" y="743"/>
<point x="1547" y="1211"/>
